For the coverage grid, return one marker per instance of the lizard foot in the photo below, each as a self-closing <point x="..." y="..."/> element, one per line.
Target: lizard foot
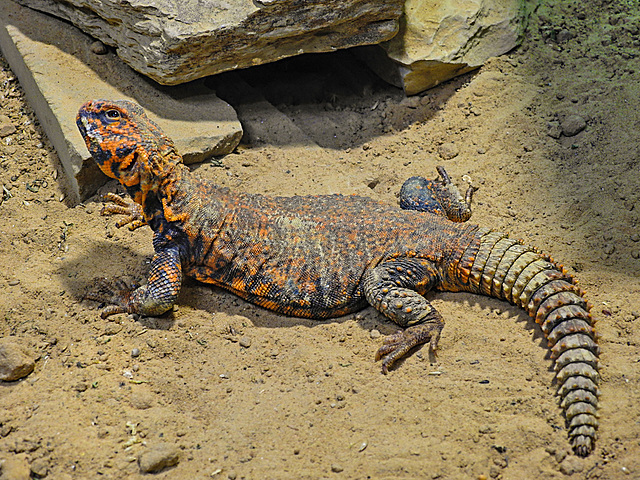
<point x="398" y="345"/>
<point x="441" y="197"/>
<point x="119" y="206"/>
<point x="116" y="294"/>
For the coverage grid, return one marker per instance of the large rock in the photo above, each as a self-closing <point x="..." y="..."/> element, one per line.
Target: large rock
<point x="58" y="70"/>
<point x="439" y="40"/>
<point x="177" y="41"/>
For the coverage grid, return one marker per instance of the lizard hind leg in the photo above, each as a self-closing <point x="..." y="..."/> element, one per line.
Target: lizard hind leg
<point x="395" y="288"/>
<point x="441" y="197"/>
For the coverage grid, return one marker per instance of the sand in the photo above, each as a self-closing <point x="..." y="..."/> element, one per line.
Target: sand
<point x="239" y="392"/>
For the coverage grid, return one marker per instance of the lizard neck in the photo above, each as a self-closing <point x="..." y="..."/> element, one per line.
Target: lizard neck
<point x="185" y="199"/>
<point x="159" y="183"/>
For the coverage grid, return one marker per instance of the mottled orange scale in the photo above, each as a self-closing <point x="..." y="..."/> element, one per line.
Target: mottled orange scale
<point x="202" y="278"/>
<point x="261" y="290"/>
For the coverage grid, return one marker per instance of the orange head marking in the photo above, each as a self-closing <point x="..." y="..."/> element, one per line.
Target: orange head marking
<point x="126" y="144"/>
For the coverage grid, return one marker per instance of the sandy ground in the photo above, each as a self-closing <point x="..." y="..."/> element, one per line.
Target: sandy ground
<point x="241" y="392"/>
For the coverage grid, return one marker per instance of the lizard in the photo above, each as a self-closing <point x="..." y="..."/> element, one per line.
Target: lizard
<point x="325" y="256"/>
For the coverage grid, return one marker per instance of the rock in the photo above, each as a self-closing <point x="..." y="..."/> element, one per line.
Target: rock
<point x="6" y="127"/>
<point x="15" y="361"/>
<point x="440" y="40"/>
<point x="98" y="48"/>
<point x="563" y="36"/>
<point x="447" y="151"/>
<point x="176" y="42"/>
<point x="554" y="130"/>
<point x="39" y="468"/>
<point x="571" y="464"/>
<point x="158" y="458"/>
<point x="15" y="467"/>
<point x="572" y="125"/>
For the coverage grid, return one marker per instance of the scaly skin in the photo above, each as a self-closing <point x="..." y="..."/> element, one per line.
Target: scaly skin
<point x="326" y="256"/>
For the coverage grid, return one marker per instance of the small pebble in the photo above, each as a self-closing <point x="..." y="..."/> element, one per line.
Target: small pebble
<point x="6" y="126"/>
<point x="39" y="468"/>
<point x="375" y="334"/>
<point x="15" y="361"/>
<point x="335" y="468"/>
<point x="571" y="465"/>
<point x="159" y="457"/>
<point x="13" y="283"/>
<point x="447" y="151"/>
<point x="563" y="36"/>
<point x="572" y="125"/>
<point x="98" y="48"/>
<point x="635" y="237"/>
<point x="135" y="352"/>
<point x="245" y="342"/>
<point x="609" y="248"/>
<point x="554" y="130"/>
<point x="81" y="387"/>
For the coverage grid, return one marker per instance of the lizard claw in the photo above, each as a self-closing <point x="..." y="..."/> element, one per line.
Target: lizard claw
<point x="119" y="206"/>
<point x="116" y="294"/>
<point x="398" y="345"/>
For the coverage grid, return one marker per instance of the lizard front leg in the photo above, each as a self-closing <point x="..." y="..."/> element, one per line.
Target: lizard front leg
<point x="119" y="206"/>
<point x="152" y="299"/>
<point x="395" y="288"/>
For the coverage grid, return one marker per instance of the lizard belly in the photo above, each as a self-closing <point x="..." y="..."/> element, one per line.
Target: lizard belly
<point x="300" y="293"/>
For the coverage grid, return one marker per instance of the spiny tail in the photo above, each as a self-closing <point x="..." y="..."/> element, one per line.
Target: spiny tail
<point x="503" y="268"/>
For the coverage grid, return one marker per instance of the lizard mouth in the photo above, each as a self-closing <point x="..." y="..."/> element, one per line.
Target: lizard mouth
<point x="90" y="132"/>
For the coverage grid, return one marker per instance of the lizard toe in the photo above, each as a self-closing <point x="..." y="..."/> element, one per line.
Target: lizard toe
<point x="397" y="345"/>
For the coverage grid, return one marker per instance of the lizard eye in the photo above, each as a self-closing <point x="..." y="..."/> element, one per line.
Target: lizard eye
<point x="112" y="114"/>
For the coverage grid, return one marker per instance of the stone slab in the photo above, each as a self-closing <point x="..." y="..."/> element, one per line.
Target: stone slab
<point x="56" y="67"/>
<point x="440" y="40"/>
<point x="174" y="42"/>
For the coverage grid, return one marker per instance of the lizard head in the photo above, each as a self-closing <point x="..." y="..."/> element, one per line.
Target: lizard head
<point x="127" y="145"/>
